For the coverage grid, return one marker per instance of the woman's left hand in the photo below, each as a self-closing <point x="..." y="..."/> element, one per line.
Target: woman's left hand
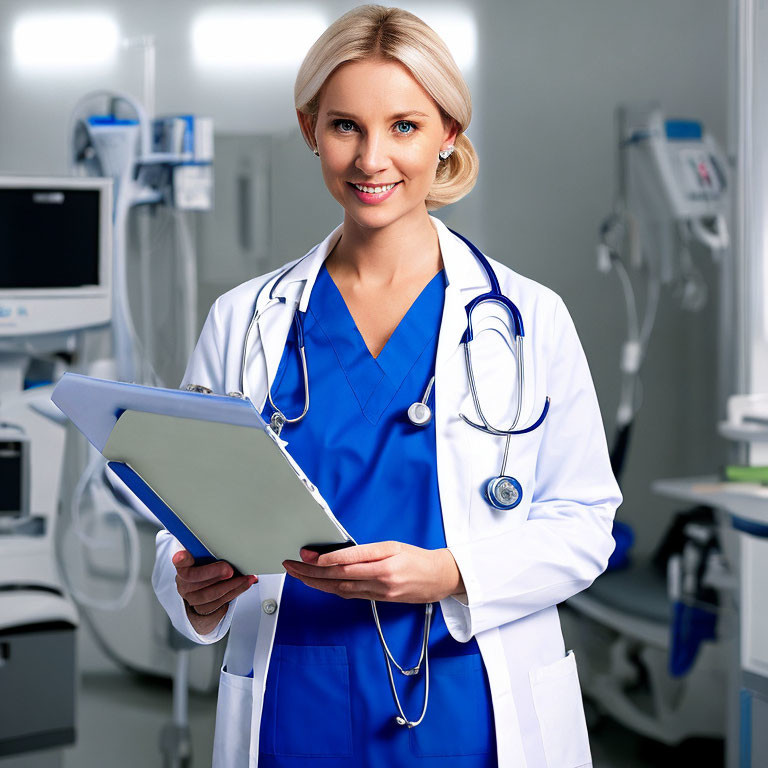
<point x="385" y="570"/>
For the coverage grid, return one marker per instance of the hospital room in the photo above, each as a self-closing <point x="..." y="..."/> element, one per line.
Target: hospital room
<point x="522" y="245"/>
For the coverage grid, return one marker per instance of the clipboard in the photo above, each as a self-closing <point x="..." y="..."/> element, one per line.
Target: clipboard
<point x="208" y="468"/>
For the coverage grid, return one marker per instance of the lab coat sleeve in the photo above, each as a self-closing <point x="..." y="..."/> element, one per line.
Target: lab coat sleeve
<point x="206" y="368"/>
<point x="566" y="540"/>
<point x="206" y="364"/>
<point x="164" y="583"/>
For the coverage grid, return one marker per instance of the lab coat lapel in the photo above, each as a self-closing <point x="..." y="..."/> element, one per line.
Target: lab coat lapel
<point x="465" y="279"/>
<point x="276" y="307"/>
<point x="528" y="410"/>
<point x="273" y="327"/>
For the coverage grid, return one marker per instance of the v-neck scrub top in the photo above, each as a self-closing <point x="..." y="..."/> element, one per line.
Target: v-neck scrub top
<point x="327" y="699"/>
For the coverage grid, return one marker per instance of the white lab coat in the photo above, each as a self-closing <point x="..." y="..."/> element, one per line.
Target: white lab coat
<point x="516" y="565"/>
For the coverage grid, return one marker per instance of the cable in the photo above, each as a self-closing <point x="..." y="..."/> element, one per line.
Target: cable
<point x="185" y="252"/>
<point x="132" y="555"/>
<point x="651" y="306"/>
<point x="633" y="329"/>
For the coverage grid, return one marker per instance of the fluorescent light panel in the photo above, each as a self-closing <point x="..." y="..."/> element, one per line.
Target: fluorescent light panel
<point x="64" y="41"/>
<point x="266" y="37"/>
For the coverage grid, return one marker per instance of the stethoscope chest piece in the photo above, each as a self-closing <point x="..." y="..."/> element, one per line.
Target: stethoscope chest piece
<point x="504" y="492"/>
<point x="419" y="414"/>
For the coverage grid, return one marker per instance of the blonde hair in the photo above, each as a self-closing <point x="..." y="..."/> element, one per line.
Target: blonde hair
<point x="373" y="31"/>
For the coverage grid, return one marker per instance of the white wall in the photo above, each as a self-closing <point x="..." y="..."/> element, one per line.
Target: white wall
<point x="548" y="76"/>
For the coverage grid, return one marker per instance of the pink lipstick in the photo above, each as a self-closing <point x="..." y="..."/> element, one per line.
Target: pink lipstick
<point x="371" y="198"/>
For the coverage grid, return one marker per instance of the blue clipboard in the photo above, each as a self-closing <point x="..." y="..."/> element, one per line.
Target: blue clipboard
<point x="208" y="468"/>
<point x="94" y="405"/>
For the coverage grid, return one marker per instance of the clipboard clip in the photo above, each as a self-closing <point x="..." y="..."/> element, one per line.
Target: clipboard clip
<point x="201" y="390"/>
<point x="277" y="422"/>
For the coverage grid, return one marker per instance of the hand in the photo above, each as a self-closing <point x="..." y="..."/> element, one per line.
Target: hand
<point x="386" y="570"/>
<point x="207" y="590"/>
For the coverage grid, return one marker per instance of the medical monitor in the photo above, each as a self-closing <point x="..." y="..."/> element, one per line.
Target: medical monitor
<point x="14" y="476"/>
<point x="55" y="254"/>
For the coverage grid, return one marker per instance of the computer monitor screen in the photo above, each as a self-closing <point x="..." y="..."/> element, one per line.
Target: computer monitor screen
<point x="50" y="238"/>
<point x="11" y="477"/>
<point x="55" y="254"/>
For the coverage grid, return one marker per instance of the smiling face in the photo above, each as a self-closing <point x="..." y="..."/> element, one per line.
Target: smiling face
<point x="378" y="133"/>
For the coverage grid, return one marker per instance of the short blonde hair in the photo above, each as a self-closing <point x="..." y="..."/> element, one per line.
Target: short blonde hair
<point x="374" y="31"/>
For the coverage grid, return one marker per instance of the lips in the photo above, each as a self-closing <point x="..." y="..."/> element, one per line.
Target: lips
<point x="373" y="197"/>
<point x="374" y="188"/>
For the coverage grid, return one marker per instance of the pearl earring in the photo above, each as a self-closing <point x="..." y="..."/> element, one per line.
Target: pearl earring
<point x="444" y="154"/>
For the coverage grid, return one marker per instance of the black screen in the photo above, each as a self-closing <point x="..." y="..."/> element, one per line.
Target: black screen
<point x="49" y="238"/>
<point x="10" y="477"/>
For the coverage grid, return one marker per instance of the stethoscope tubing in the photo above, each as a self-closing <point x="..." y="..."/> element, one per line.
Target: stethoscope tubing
<point x="494" y="295"/>
<point x="401" y="719"/>
<point x="487" y="426"/>
<point x="298" y="325"/>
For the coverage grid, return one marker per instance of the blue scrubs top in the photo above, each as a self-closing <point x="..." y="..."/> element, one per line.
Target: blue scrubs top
<point x="328" y="699"/>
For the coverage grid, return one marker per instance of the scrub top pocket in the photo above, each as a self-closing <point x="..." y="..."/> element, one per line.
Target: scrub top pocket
<point x="310" y="713"/>
<point x="463" y="724"/>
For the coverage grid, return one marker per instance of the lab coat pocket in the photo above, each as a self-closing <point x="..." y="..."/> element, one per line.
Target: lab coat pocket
<point x="560" y="710"/>
<point x="310" y="707"/>
<point x="459" y="718"/>
<point x="233" y="721"/>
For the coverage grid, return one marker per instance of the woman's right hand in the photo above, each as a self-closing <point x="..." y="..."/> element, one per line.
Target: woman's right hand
<point x="207" y="590"/>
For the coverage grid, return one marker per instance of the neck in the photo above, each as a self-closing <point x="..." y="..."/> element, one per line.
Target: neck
<point x="387" y="255"/>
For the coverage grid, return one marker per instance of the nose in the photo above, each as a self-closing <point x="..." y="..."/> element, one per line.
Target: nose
<point x="372" y="155"/>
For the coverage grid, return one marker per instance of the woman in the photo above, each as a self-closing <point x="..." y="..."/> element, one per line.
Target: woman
<point x="381" y="302"/>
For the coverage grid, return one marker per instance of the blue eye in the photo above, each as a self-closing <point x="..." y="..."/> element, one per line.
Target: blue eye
<point x="348" y="125"/>
<point x="409" y="127"/>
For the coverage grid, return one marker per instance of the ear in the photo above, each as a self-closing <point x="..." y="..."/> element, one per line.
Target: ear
<point x="307" y="125"/>
<point x="452" y="130"/>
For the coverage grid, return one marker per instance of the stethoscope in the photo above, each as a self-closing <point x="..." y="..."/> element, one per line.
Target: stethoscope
<point x="502" y="492"/>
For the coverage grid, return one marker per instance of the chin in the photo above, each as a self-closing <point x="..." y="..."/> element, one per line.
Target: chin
<point x="375" y="217"/>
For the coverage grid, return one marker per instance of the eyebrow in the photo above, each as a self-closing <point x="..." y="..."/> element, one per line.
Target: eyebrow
<point x="398" y="116"/>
